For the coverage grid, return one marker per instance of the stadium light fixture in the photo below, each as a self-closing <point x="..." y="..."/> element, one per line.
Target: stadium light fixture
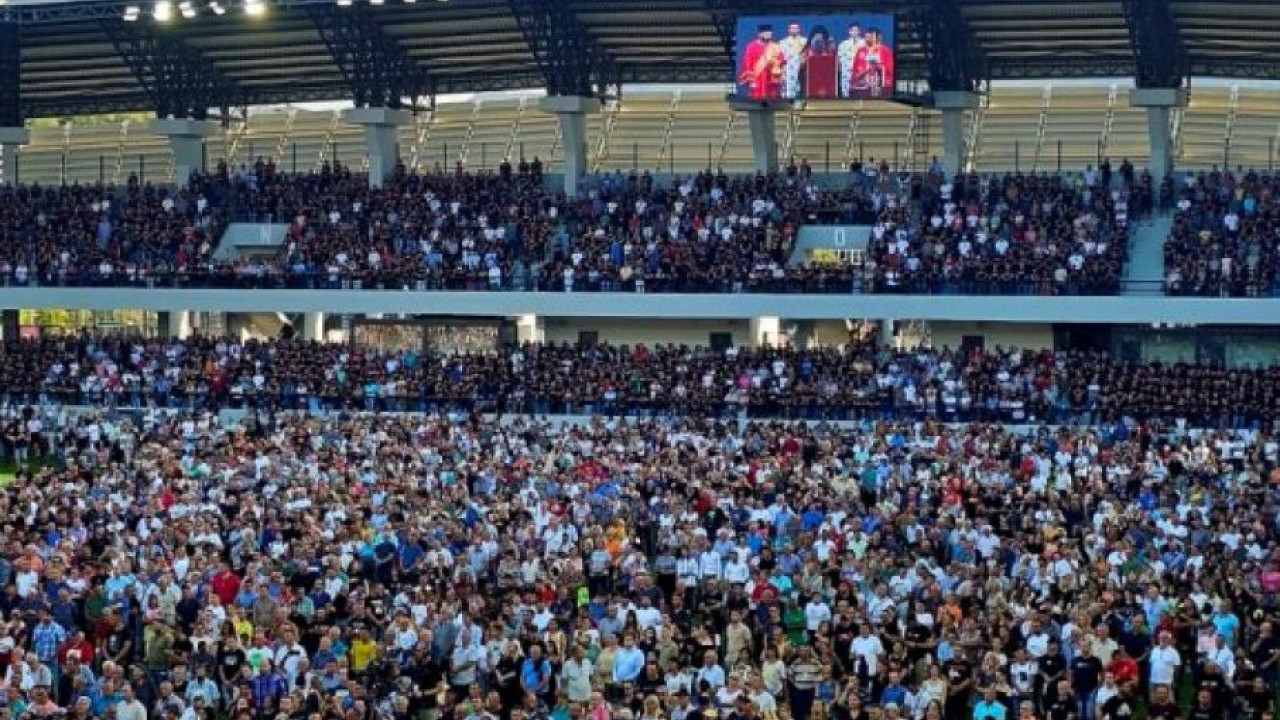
<point x="254" y="8"/>
<point x="131" y="13"/>
<point x="162" y="11"/>
<point x="217" y="8"/>
<point x="410" y="2"/>
<point x="344" y="3"/>
<point x="376" y="2"/>
<point x="187" y="9"/>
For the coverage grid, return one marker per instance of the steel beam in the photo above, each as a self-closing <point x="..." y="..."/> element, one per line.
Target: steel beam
<point x="179" y="81"/>
<point x="571" y="61"/>
<point x="378" y="70"/>
<point x="1053" y="67"/>
<point x="1267" y="68"/>
<point x="11" y="114"/>
<point x="1160" y="58"/>
<point x="954" y="58"/>
<point x="724" y="16"/>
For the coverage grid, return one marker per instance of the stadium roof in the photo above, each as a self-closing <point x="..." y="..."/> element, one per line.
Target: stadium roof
<point x="80" y="57"/>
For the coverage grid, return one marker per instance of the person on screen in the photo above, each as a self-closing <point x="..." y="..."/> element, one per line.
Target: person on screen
<point x="793" y="50"/>
<point x="873" y="68"/>
<point x="762" y="67"/>
<point x="820" y="65"/>
<point x="847" y="53"/>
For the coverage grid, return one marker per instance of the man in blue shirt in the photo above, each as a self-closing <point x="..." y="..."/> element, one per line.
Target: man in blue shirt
<point x="989" y="707"/>
<point x="535" y="673"/>
<point x="628" y="662"/>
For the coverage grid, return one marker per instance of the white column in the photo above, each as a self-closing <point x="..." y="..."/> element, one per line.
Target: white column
<point x="186" y="139"/>
<point x="1159" y="102"/>
<point x="530" y="329"/>
<point x="764" y="138"/>
<point x="887" y="336"/>
<point x="11" y="141"/>
<point x="571" y="110"/>
<point x="953" y="105"/>
<point x="766" y="331"/>
<point x="381" y="138"/>
<point x="179" y="325"/>
<point x="313" y="327"/>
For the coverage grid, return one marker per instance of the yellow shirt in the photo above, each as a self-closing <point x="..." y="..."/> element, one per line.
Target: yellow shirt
<point x="244" y="629"/>
<point x="362" y="653"/>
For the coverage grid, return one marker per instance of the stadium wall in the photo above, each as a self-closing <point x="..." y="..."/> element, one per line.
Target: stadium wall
<point x="1092" y="309"/>
<point x="649" y="332"/>
<point x="1005" y="335"/>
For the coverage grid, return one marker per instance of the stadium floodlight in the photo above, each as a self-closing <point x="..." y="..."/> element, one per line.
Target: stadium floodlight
<point x="376" y="2"/>
<point x="187" y="9"/>
<point x="162" y="11"/>
<point x="254" y="8"/>
<point x="217" y="8"/>
<point x="131" y="13"/>
<point x="344" y="3"/>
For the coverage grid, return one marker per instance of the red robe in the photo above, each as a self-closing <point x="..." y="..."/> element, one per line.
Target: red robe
<point x="761" y="70"/>
<point x="865" y="80"/>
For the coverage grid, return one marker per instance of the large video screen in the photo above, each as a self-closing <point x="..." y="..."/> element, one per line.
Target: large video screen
<point x="815" y="57"/>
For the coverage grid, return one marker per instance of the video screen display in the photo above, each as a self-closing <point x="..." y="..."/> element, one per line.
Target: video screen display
<point x="815" y="57"/>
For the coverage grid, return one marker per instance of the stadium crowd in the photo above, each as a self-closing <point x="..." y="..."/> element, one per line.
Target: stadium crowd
<point x="356" y="566"/>
<point x="704" y="233"/>
<point x="70" y="234"/>
<point x="1225" y="239"/>
<point x="855" y="382"/>
<point x="1044" y="235"/>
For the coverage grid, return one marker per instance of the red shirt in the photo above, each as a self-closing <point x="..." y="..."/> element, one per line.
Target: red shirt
<point x="226" y="584"/>
<point x="84" y="647"/>
<point x="1125" y="670"/>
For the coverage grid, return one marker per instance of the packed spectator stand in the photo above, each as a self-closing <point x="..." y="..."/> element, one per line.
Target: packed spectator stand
<point x="1042" y="235"/>
<point x="858" y="381"/>
<point x="62" y="235"/>
<point x="356" y="566"/>
<point x="1226" y="236"/>
<point x="504" y="231"/>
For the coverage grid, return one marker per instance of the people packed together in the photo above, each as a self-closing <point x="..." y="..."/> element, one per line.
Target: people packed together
<point x="1225" y="239"/>
<point x="1044" y="235"/>
<point x="73" y="235"/>
<point x="856" y="381"/>
<point x="706" y="232"/>
<point x="350" y="566"/>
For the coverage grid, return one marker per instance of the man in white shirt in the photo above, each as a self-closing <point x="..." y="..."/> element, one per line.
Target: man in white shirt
<point x="736" y="572"/>
<point x="576" y="676"/>
<point x="1165" y="661"/>
<point x="868" y="649"/>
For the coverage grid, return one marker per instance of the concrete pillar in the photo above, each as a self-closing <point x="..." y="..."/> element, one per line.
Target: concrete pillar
<point x="888" y="338"/>
<point x="766" y="331"/>
<point x="9" y="325"/>
<point x="531" y="329"/>
<point x="313" y="327"/>
<point x="953" y="105"/>
<point x="571" y="110"/>
<point x="186" y="139"/>
<point x="11" y="141"/>
<point x="176" y="324"/>
<point x="381" y="138"/>
<point x="764" y="137"/>
<point x="1159" y="102"/>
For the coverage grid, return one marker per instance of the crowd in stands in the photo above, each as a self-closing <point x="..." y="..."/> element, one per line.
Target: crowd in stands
<point x="1016" y="234"/>
<point x="390" y="567"/>
<point x="63" y="235"/>
<point x="854" y="382"/>
<point x="1225" y="239"/>
<point x="703" y="233"/>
